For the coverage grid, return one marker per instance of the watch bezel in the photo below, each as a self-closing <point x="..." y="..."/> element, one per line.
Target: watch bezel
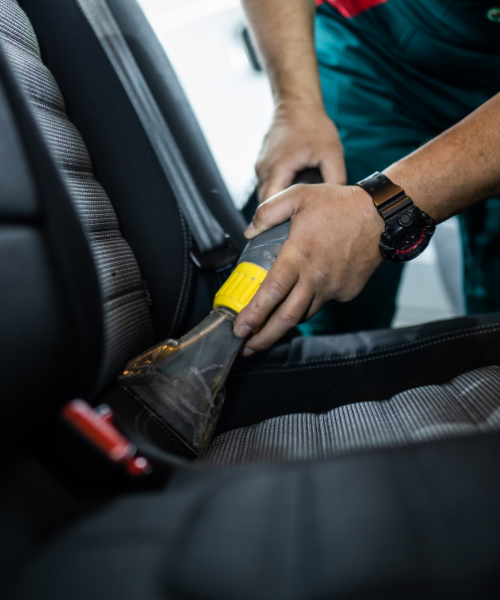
<point x="390" y="246"/>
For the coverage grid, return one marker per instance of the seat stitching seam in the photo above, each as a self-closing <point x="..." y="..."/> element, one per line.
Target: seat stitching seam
<point x="445" y="336"/>
<point x="366" y="358"/>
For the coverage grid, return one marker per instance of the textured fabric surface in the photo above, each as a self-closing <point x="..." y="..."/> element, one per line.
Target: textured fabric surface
<point x="122" y="157"/>
<point x="127" y="321"/>
<point x="318" y="374"/>
<point x="469" y="404"/>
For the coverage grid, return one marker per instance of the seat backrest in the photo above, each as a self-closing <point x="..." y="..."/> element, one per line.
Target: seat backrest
<point x="124" y="161"/>
<point x="77" y="132"/>
<point x="126" y="320"/>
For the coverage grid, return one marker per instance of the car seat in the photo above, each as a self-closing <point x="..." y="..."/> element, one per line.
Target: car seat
<point x="354" y="466"/>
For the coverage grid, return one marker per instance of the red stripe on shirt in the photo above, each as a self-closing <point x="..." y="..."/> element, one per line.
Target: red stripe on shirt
<point x="351" y="8"/>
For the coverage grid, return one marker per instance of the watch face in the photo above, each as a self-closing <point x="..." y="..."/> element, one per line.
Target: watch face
<point x="407" y="237"/>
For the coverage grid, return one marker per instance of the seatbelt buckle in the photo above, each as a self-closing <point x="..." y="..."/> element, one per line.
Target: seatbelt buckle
<point x="97" y="427"/>
<point x="218" y="260"/>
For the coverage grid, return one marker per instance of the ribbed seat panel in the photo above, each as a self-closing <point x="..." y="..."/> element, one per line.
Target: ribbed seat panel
<point x="469" y="404"/>
<point x="127" y="321"/>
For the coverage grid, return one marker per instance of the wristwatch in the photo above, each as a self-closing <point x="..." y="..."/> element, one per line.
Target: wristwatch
<point x="408" y="230"/>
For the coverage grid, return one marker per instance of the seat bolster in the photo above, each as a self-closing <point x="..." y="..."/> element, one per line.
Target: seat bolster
<point x="174" y="105"/>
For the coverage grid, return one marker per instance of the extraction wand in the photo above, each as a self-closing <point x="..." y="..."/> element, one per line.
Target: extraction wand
<point x="182" y="381"/>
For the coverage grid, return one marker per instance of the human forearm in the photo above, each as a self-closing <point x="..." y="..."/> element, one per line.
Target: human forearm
<point x="333" y="246"/>
<point x="284" y="32"/>
<point x="301" y="134"/>
<point x="456" y="169"/>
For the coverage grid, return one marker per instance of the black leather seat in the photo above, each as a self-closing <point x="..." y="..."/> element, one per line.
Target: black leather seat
<point x="399" y="500"/>
<point x="418" y="522"/>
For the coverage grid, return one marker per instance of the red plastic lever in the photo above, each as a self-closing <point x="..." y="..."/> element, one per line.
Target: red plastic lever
<point x="97" y="426"/>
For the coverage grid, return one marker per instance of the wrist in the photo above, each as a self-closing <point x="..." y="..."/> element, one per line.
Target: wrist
<point x="372" y="224"/>
<point x="367" y="207"/>
<point x="416" y="187"/>
<point x="297" y="102"/>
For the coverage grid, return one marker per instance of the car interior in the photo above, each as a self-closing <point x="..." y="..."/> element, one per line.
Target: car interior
<point x="364" y="465"/>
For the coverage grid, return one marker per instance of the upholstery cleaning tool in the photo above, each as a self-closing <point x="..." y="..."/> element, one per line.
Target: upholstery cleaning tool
<point x="182" y="381"/>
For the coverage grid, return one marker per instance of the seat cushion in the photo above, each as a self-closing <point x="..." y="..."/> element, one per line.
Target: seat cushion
<point x="466" y="405"/>
<point x="413" y="521"/>
<point x="332" y="395"/>
<point x="420" y="522"/>
<point x="318" y="374"/>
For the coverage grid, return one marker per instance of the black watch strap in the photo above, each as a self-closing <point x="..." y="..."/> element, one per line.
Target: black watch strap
<point x="408" y="230"/>
<point x="388" y="197"/>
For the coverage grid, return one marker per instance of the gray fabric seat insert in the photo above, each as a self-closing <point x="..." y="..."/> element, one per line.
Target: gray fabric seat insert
<point x="127" y="320"/>
<point x="468" y="404"/>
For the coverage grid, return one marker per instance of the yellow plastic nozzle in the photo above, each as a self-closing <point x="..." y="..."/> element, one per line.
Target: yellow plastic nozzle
<point x="240" y="287"/>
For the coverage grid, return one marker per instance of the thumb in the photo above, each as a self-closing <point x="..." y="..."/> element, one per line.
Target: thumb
<point x="278" y="209"/>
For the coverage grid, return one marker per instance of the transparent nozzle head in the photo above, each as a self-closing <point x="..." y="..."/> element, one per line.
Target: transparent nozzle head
<point x="182" y="381"/>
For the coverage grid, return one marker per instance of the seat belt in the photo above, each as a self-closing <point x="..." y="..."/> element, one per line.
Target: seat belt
<point x="214" y="249"/>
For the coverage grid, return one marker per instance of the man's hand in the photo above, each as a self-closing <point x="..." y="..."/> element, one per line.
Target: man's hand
<point x="331" y="252"/>
<point x="301" y="136"/>
<point x="333" y="246"/>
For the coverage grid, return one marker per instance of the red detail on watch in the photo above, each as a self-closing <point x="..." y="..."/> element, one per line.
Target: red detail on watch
<point x="418" y="243"/>
<point x="97" y="426"/>
<point x="351" y="8"/>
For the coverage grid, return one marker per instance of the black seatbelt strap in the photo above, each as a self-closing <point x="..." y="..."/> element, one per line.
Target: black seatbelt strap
<point x="215" y="250"/>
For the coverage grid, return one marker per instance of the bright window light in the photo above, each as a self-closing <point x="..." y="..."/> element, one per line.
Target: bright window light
<point x="190" y="13"/>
